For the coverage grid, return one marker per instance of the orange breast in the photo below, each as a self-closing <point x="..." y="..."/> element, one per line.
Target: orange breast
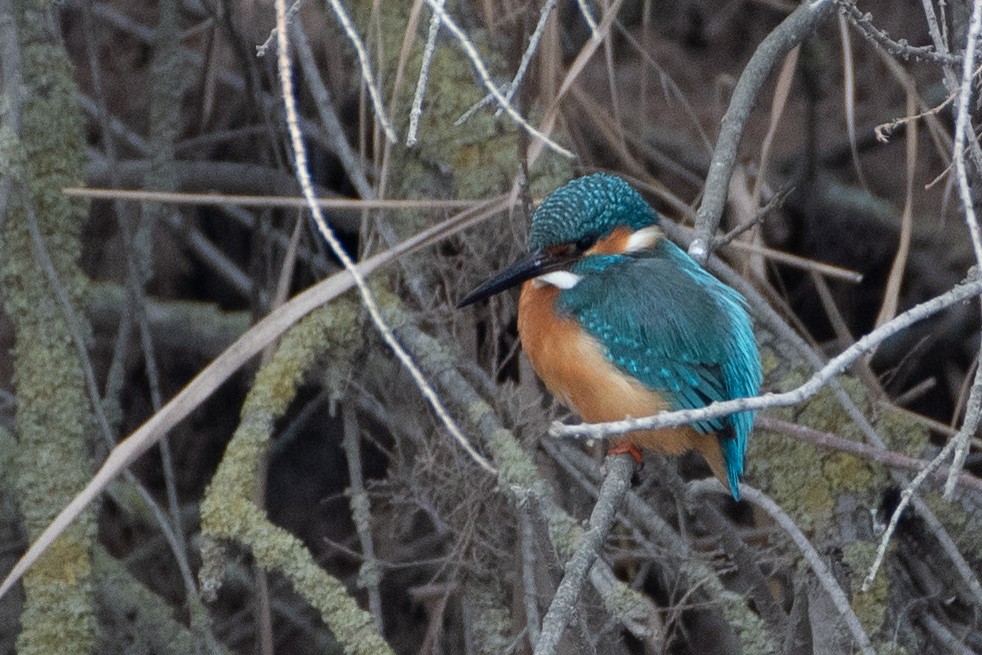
<point x="573" y="367"/>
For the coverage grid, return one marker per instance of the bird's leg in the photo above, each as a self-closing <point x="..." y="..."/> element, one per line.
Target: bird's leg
<point x="627" y="447"/>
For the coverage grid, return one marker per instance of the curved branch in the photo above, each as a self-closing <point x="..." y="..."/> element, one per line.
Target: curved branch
<point x="818" y="567"/>
<point x="792" y="31"/>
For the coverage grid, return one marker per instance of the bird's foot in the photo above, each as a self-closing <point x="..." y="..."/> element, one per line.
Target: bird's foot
<point x="628" y="448"/>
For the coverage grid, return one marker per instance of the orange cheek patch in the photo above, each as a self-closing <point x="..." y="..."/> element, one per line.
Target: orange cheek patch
<point x="613" y="244"/>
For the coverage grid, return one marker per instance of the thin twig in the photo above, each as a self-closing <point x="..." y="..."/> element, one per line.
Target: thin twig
<point x="891" y="295"/>
<point x="416" y="112"/>
<point x="835" y="442"/>
<point x="588" y="19"/>
<point x="366" y="67"/>
<point x="523" y="65"/>
<point x="823" y="376"/>
<point x="849" y="93"/>
<point x="264" y="47"/>
<point x="267" y="201"/>
<point x="905" y="498"/>
<point x="864" y="23"/>
<point x="963" y="439"/>
<point x="368" y="298"/>
<point x="963" y="130"/>
<point x="775" y="202"/>
<point x="369" y="575"/>
<point x="350" y="161"/>
<point x="792" y="31"/>
<point x="485" y="76"/>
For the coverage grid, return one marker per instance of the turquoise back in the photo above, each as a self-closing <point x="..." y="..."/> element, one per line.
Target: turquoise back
<point x="665" y="321"/>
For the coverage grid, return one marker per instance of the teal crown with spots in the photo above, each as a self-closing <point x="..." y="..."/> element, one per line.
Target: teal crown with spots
<point x="590" y="206"/>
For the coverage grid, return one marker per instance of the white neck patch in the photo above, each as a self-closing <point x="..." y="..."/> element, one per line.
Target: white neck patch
<point x="643" y="239"/>
<point x="561" y="279"/>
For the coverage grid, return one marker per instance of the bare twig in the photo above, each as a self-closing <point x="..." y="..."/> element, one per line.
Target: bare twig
<point x="368" y="298"/>
<point x="329" y="118"/>
<point x="775" y="202"/>
<point x="523" y="65"/>
<point x="849" y="93"/>
<point x="366" y="67"/>
<point x="359" y="204"/>
<point x="835" y="442"/>
<point x="516" y="81"/>
<point x="792" y="31"/>
<point x="963" y="131"/>
<point x="963" y="439"/>
<point x="264" y="47"/>
<point x="369" y="576"/>
<point x="891" y="295"/>
<point x="864" y="23"/>
<point x="905" y="498"/>
<point x="485" y="76"/>
<point x="589" y="19"/>
<point x="416" y="112"/>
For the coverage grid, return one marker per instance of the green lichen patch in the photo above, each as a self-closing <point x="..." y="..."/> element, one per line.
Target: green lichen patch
<point x="749" y="626"/>
<point x="330" y="335"/>
<point x="806" y="480"/>
<point x="870" y="606"/>
<point x="962" y="524"/>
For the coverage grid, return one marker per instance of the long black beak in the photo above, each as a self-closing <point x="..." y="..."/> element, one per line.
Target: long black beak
<point x="531" y="265"/>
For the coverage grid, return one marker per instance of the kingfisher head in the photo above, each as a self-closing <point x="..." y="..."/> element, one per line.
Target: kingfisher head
<point x="595" y="214"/>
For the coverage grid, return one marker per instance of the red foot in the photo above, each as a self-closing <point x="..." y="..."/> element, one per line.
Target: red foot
<point x="628" y="448"/>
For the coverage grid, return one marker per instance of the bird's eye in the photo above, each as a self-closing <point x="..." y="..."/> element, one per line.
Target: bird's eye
<point x="586" y="243"/>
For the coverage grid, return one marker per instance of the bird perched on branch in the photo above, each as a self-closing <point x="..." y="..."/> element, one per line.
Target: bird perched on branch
<point x="619" y="322"/>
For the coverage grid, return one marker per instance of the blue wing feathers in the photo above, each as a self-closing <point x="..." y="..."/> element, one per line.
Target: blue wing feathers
<point x="670" y="324"/>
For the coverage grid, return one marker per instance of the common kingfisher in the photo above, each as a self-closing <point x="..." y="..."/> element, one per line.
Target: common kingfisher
<point x="620" y="322"/>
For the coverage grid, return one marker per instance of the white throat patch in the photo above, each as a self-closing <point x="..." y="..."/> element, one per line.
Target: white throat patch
<point x="561" y="279"/>
<point x="643" y="239"/>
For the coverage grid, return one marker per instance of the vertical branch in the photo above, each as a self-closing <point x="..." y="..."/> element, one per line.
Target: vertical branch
<point x="529" y="596"/>
<point x="44" y="153"/>
<point x="369" y="576"/>
<point x="563" y="607"/>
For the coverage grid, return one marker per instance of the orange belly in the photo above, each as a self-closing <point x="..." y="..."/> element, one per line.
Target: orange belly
<point x="573" y="367"/>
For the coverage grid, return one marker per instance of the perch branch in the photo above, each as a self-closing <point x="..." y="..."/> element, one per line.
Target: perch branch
<point x="620" y="468"/>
